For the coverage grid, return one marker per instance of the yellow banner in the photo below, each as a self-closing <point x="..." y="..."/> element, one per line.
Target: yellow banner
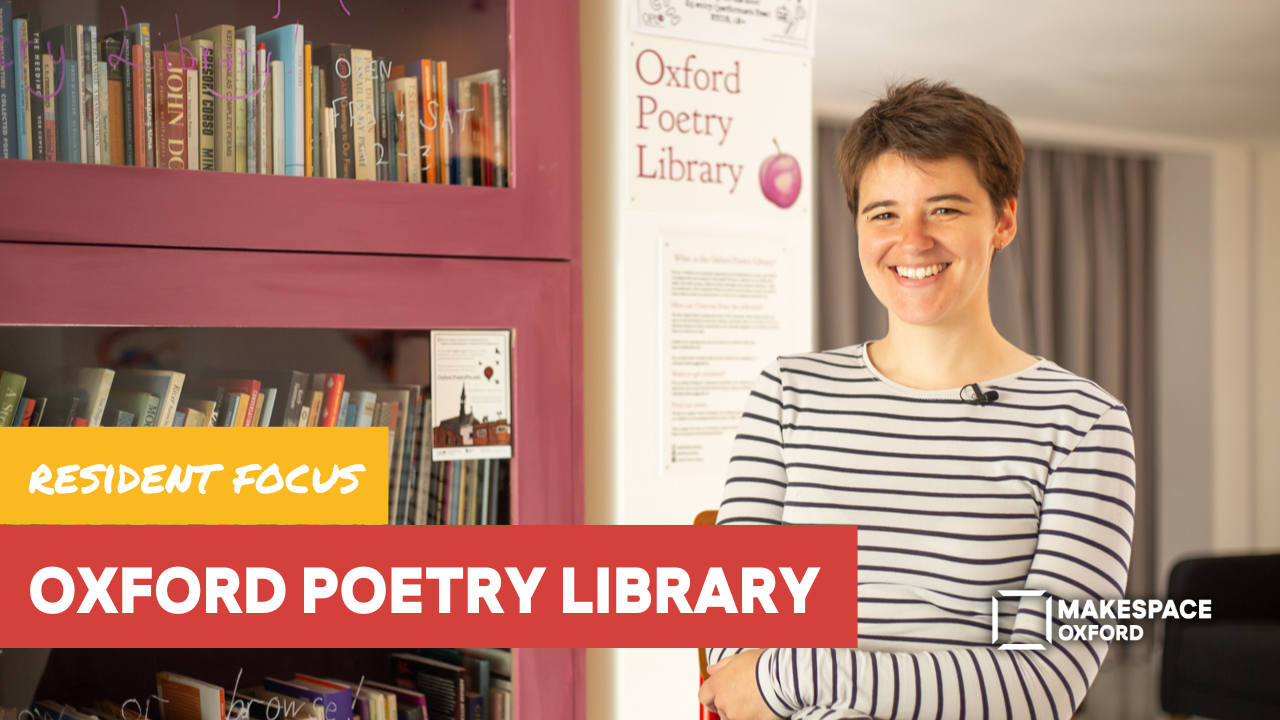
<point x="193" y="476"/>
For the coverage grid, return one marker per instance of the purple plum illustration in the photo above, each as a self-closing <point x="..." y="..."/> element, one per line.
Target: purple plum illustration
<point x="780" y="178"/>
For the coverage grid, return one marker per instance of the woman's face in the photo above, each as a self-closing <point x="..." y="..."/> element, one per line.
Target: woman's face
<point x="926" y="231"/>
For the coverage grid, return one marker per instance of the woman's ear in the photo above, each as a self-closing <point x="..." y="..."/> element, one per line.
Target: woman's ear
<point x="1006" y="224"/>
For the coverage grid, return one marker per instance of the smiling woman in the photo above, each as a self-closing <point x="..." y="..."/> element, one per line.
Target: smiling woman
<point x="1025" y="482"/>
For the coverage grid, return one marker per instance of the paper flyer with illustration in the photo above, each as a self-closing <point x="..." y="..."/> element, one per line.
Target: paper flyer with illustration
<point x="470" y="394"/>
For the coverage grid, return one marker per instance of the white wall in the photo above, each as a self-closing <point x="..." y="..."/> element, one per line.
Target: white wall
<point x="1266" y="322"/>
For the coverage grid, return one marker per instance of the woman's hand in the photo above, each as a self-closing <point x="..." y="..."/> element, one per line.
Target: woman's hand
<point x="731" y="690"/>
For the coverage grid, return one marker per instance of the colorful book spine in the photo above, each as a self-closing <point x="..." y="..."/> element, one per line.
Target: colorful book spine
<point x="68" y="105"/>
<point x="171" y="119"/>
<point x="141" y="36"/>
<point x="363" y="114"/>
<point x="317" y="118"/>
<point x="11" y="387"/>
<point x="92" y="98"/>
<point x="35" y="81"/>
<point x="278" y="124"/>
<point x="104" y="119"/>
<point x="18" y="70"/>
<point x="117" y="47"/>
<point x="50" y="109"/>
<point x="286" y="44"/>
<point x="116" y="111"/>
<point x="222" y="44"/>
<point x="8" y="94"/>
<point x="193" y="119"/>
<point x="242" y="151"/>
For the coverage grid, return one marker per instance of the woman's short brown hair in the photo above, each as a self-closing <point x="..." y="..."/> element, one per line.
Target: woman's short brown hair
<point x="926" y="120"/>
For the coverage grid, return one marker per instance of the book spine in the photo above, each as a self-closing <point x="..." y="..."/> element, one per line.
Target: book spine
<point x="238" y="70"/>
<point x="171" y="99"/>
<point x="93" y="94"/>
<point x="224" y="44"/>
<point x="308" y="122"/>
<point x="383" y="145"/>
<point x="261" y="100"/>
<point x="69" y="113"/>
<point x="115" y="98"/>
<point x="35" y="103"/>
<point x="362" y="114"/>
<point x="84" y="107"/>
<point x="21" y="92"/>
<point x="279" y="117"/>
<point x="444" y="127"/>
<point x="50" y="109"/>
<point x="317" y="118"/>
<point x="193" y="118"/>
<point x="338" y="72"/>
<point x="124" y="65"/>
<point x="143" y="37"/>
<point x="11" y="387"/>
<point x="249" y="63"/>
<point x="104" y="124"/>
<point x="208" y="108"/>
<point x="295" y="160"/>
<point x="8" y="94"/>
<point x="139" y="106"/>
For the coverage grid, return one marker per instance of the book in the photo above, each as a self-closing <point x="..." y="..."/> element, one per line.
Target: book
<point x="193" y="119"/>
<point x="443" y="684"/>
<point x="267" y="401"/>
<point x="286" y="46"/>
<point x="308" y="120"/>
<point x="14" y="78"/>
<point x="494" y="155"/>
<point x="8" y="92"/>
<point x="62" y="43"/>
<point x="238" y="70"/>
<point x="104" y="119"/>
<point x="383" y="140"/>
<point x="203" y="48"/>
<point x="402" y="703"/>
<point x="327" y="137"/>
<point x="11" y="387"/>
<point x="137" y="70"/>
<point x="116" y="48"/>
<point x="186" y="698"/>
<point x="279" y="122"/>
<point x="249" y="66"/>
<point x="179" y="420"/>
<point x="34" y="63"/>
<point x="291" y="706"/>
<point x="335" y="703"/>
<point x="363" y="114"/>
<point x="408" y="120"/>
<point x="92" y="94"/>
<point x="247" y="388"/>
<point x="342" y="410"/>
<point x="333" y="383"/>
<point x="37" y="413"/>
<point x="171" y="116"/>
<point x="317" y="120"/>
<point x="96" y="384"/>
<point x="203" y="410"/>
<point x="111" y="47"/>
<point x="266" y="123"/>
<point x="140" y="37"/>
<point x="50" y="109"/>
<point x="61" y="409"/>
<point x="426" y="110"/>
<point x="336" y="72"/>
<point x="221" y="39"/>
<point x="164" y="384"/>
<point x="115" y="417"/>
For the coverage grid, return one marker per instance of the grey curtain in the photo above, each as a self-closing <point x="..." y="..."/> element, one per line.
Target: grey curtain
<point x="1075" y="286"/>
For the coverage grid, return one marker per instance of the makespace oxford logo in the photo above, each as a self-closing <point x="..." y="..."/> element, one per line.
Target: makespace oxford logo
<point x="1096" y="619"/>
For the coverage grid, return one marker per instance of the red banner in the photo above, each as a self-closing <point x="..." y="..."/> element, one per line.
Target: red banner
<point x="354" y="586"/>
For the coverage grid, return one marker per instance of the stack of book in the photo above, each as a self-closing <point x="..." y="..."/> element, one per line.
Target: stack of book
<point x="431" y="684"/>
<point x="239" y="100"/>
<point x="420" y="492"/>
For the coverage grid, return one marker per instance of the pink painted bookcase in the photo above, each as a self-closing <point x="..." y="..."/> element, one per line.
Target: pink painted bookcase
<point x="120" y="246"/>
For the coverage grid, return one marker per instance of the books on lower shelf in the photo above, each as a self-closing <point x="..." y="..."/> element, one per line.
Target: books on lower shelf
<point x="424" y="684"/>
<point x="261" y="105"/>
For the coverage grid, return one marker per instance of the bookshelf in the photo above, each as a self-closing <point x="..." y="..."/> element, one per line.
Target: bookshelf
<point x="84" y="245"/>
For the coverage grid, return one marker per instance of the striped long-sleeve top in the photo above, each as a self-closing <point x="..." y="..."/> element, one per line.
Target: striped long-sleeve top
<point x="953" y="502"/>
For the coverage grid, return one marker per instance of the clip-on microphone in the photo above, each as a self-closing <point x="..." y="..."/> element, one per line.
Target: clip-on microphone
<point x="973" y="394"/>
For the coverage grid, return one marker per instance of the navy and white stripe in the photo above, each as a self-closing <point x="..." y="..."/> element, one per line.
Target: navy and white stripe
<point x="953" y="502"/>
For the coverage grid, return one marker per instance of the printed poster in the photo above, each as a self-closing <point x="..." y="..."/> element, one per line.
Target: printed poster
<point x="470" y="394"/>
<point x="777" y="25"/>
<point x="726" y="306"/>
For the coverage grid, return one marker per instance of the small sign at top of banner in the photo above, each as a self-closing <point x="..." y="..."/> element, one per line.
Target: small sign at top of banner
<point x="777" y="25"/>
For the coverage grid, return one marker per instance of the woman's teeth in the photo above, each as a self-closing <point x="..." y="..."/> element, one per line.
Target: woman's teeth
<point x="919" y="273"/>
